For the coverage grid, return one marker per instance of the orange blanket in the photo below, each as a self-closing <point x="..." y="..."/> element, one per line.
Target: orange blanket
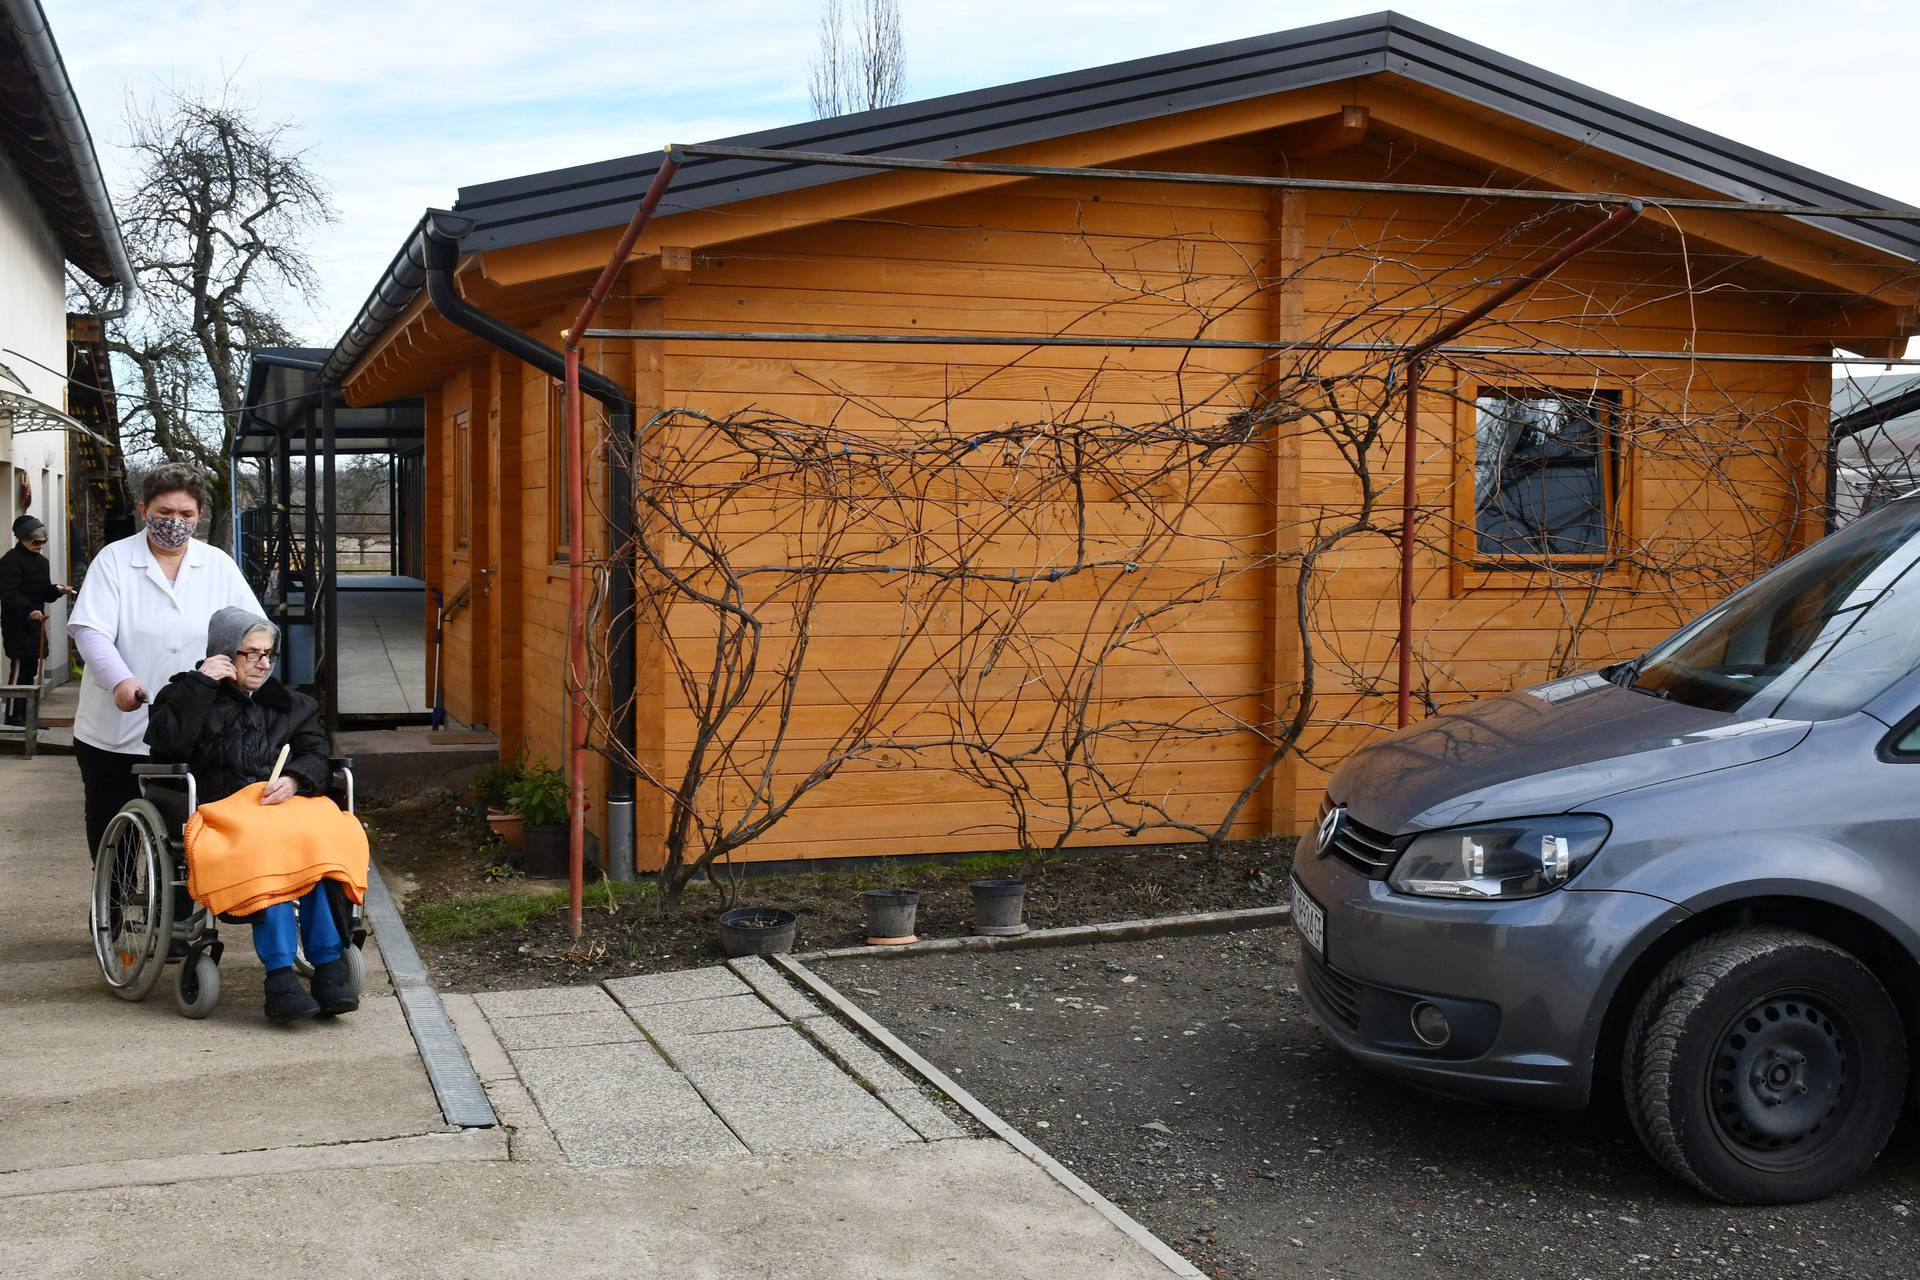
<point x="244" y="856"/>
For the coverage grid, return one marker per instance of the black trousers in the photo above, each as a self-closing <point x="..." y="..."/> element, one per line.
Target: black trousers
<point x="21" y="671"/>
<point x="107" y="777"/>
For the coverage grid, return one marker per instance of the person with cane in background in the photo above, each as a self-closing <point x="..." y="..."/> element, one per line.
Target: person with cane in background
<point x="26" y="589"/>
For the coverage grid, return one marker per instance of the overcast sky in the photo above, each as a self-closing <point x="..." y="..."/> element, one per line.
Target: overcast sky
<point x="402" y="102"/>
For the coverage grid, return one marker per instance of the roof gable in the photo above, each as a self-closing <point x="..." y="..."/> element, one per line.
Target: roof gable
<point x="602" y="195"/>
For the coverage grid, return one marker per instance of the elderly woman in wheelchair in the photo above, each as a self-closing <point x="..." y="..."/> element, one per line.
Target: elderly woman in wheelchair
<point x="223" y="728"/>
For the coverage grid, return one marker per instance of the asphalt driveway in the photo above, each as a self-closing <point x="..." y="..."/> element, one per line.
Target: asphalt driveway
<point x="1183" y="1078"/>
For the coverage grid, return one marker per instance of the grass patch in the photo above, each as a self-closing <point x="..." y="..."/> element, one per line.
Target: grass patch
<point x="452" y="919"/>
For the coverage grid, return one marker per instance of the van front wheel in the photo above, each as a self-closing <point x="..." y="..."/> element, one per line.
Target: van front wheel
<point x="1765" y="1066"/>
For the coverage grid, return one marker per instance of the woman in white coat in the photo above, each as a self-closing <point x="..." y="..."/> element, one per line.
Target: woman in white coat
<point x="140" y="619"/>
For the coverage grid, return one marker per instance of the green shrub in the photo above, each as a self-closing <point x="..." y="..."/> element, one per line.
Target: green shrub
<point x="494" y="784"/>
<point x="539" y="796"/>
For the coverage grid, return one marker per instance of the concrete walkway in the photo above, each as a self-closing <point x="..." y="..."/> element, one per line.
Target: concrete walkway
<point x="713" y="1123"/>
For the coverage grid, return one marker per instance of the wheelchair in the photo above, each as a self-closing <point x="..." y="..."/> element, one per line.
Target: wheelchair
<point x="141" y="917"/>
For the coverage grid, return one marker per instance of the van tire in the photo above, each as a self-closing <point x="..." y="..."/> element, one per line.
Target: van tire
<point x="1765" y="1066"/>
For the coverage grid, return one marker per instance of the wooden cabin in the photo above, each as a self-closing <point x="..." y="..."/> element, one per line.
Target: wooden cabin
<point x="1618" y="446"/>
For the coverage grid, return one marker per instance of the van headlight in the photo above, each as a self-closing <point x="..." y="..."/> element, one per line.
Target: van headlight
<point x="1518" y="859"/>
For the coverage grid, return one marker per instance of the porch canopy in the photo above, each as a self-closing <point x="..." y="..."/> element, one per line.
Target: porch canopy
<point x="288" y="545"/>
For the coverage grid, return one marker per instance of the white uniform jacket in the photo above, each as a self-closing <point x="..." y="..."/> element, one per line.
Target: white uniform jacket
<point x="159" y="627"/>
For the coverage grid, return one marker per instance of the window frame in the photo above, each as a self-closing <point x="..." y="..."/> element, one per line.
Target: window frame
<point x="559" y="492"/>
<point x="462" y="482"/>
<point x="1474" y="569"/>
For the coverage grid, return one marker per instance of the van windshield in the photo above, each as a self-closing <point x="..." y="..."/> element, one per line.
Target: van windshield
<point x="1818" y="637"/>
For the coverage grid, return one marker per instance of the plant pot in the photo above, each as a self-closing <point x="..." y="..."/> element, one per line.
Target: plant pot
<point x="543" y="850"/>
<point x="508" y="826"/>
<point x="997" y="905"/>
<point x="756" y="931"/>
<point x="890" y="915"/>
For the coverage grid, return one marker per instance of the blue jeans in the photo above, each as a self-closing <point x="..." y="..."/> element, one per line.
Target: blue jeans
<point x="273" y="933"/>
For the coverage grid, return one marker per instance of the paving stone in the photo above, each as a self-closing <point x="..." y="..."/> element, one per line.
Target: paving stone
<point x="523" y="1004"/>
<point x="857" y="1056"/>
<point x="925" y="1115"/>
<point x="669" y="988"/>
<point x="704" y="1017"/>
<point x="560" y="1030"/>
<point x="529" y="1139"/>
<point x="621" y="1104"/>
<point x="490" y="1061"/>
<point x="775" y="989"/>
<point x="779" y="1093"/>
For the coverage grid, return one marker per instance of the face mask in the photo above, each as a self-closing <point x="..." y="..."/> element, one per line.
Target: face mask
<point x="171" y="532"/>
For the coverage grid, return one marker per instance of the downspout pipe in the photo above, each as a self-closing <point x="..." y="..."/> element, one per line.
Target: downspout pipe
<point x="1533" y="273"/>
<point x="438" y="249"/>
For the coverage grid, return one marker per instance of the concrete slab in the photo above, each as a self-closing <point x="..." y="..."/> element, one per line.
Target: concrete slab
<point x="621" y="1104"/>
<point x="775" y="989"/>
<point x="779" y="1093"/>
<point x="667" y="988"/>
<point x="86" y="1079"/>
<point x="562" y="1030"/>
<point x="705" y="1017"/>
<point x="484" y="1051"/>
<point x="923" y="1115"/>
<point x="942" y="1211"/>
<point x="857" y="1056"/>
<point x="522" y="1004"/>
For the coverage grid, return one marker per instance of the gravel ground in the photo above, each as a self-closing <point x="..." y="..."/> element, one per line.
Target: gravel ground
<point x="1184" y="1079"/>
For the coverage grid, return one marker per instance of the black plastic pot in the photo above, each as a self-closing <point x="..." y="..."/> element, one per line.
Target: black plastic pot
<point x="890" y="915"/>
<point x="543" y="851"/>
<point x="756" y="931"/>
<point x="997" y="906"/>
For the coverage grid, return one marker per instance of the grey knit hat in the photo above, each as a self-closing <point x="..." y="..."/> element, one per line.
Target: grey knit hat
<point x="231" y="625"/>
<point x="26" y="526"/>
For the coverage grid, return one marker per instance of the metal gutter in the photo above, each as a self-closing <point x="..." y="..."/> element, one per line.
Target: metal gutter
<point x="43" y="55"/>
<point x="438" y="245"/>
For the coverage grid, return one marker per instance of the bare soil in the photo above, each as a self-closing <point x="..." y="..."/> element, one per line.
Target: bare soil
<point x="479" y="934"/>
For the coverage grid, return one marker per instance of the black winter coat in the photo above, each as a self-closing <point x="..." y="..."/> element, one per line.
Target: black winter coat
<point x="26" y="584"/>
<point x="231" y="739"/>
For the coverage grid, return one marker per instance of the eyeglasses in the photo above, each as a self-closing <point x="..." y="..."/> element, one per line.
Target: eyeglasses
<point x="36" y="544"/>
<point x="257" y="655"/>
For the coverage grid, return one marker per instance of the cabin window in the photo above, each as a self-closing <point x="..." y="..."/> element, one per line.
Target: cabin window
<point x="1543" y="473"/>
<point x="462" y="481"/>
<point x="559" y="488"/>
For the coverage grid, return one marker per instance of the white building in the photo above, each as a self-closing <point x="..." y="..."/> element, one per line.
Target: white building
<point x="54" y="211"/>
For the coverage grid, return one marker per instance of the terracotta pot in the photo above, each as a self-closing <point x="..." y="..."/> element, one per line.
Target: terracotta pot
<point x="507" y="826"/>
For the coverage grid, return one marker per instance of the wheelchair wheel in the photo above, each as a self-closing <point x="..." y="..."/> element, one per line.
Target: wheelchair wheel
<point x="356" y="969"/>
<point x="196" y="986"/>
<point x="132" y="910"/>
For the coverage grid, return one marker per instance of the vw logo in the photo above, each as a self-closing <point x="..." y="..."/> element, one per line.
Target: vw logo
<point x="1329" y="827"/>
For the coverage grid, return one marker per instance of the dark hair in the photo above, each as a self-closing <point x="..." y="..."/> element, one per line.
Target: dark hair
<point x="177" y="477"/>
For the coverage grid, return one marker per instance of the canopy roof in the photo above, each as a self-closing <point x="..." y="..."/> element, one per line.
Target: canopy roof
<point x="283" y="400"/>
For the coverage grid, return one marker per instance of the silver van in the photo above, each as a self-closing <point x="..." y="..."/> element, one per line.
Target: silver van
<point x="1697" y="873"/>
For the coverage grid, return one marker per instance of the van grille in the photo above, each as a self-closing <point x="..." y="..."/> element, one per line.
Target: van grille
<point x="1361" y="847"/>
<point x="1339" y="993"/>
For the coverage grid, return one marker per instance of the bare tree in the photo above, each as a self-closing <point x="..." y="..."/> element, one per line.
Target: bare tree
<point x="861" y="68"/>
<point x="215" y="227"/>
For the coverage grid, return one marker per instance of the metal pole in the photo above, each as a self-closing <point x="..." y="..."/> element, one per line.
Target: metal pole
<point x="619" y="853"/>
<point x="717" y="151"/>
<point x="1464" y="350"/>
<point x="1410" y="453"/>
<point x="330" y="566"/>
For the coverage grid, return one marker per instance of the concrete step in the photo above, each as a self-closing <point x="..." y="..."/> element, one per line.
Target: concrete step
<point x="408" y="761"/>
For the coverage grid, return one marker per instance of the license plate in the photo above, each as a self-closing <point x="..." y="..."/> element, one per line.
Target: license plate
<point x="1309" y="919"/>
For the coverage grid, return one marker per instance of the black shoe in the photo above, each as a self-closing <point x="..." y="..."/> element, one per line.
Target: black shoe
<point x="286" y="1002"/>
<point x="333" y="987"/>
